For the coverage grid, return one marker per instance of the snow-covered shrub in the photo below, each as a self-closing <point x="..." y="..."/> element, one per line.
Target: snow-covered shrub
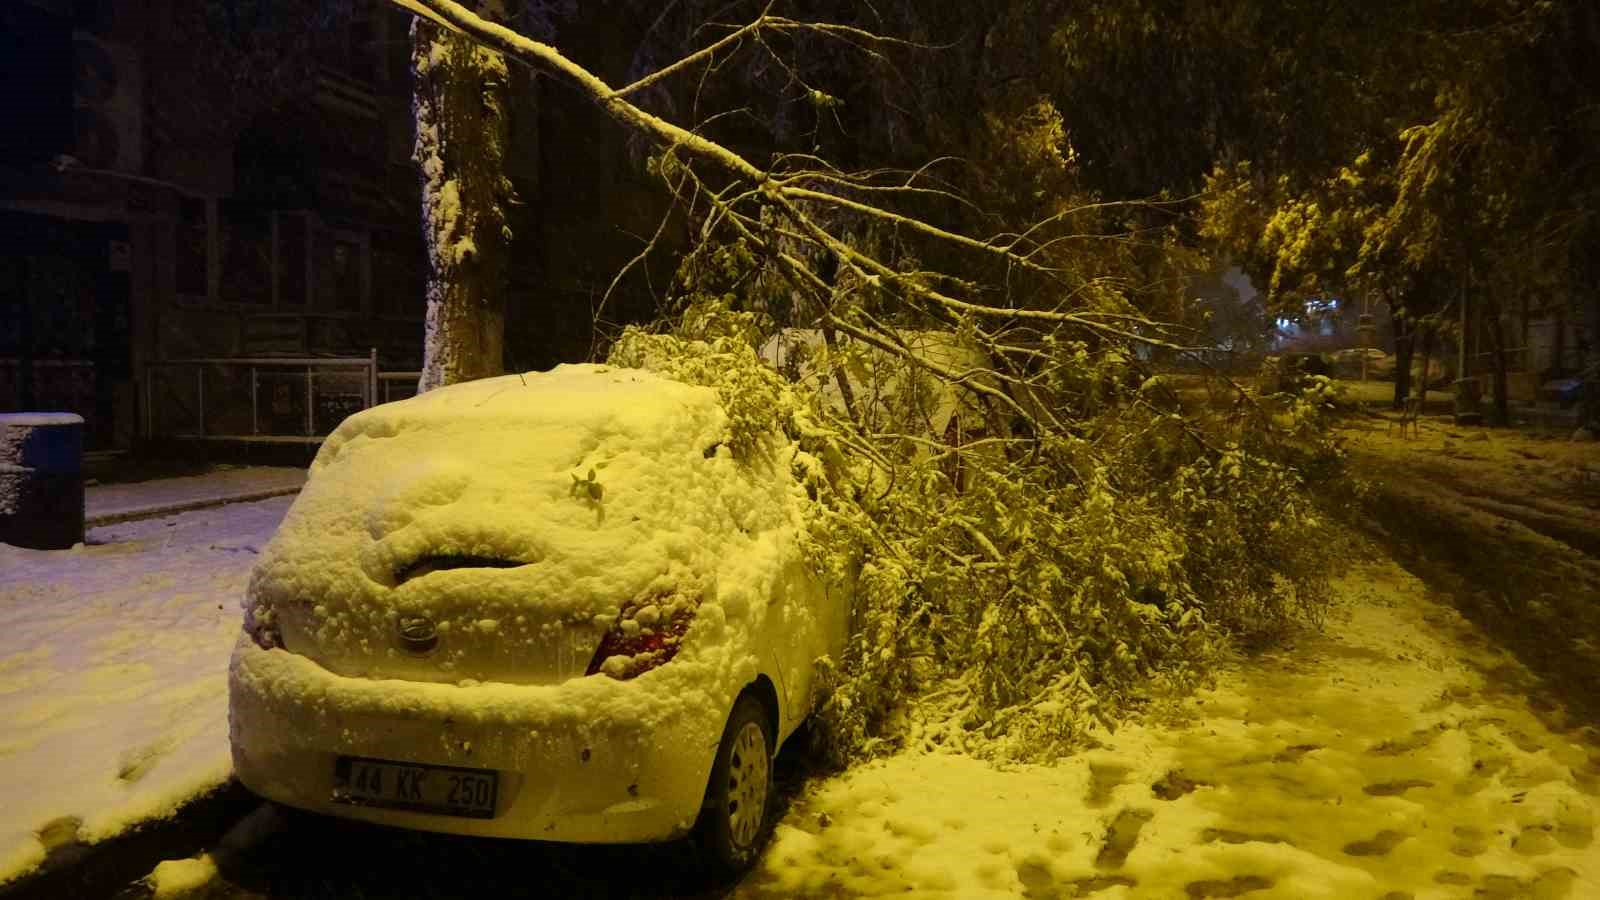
<point x="1012" y="592"/>
<point x="715" y="351"/>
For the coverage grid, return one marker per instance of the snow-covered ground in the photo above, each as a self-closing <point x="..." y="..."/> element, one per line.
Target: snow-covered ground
<point x="1398" y="755"/>
<point x="1393" y="757"/>
<point x="113" y="674"/>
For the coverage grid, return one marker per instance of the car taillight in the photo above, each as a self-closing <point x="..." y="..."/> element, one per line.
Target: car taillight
<point x="646" y="634"/>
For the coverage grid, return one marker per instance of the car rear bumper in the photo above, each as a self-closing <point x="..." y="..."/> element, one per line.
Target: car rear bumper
<point x="586" y="763"/>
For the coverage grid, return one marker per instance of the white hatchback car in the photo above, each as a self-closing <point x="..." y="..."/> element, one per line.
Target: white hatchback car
<point x="550" y="606"/>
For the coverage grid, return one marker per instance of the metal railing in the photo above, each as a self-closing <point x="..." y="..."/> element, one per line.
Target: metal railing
<point x="263" y="399"/>
<point x="387" y="381"/>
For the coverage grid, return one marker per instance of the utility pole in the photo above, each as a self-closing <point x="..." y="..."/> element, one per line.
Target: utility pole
<point x="1365" y="328"/>
<point x="1467" y="407"/>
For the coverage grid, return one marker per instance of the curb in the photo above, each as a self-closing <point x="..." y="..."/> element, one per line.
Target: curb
<point x="167" y="509"/>
<point x="109" y="868"/>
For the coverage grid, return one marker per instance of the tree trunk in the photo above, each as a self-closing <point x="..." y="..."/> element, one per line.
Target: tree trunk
<point x="1502" y="398"/>
<point x="1558" y="351"/>
<point x="1404" y="335"/>
<point x="1428" y="339"/>
<point x="459" y="102"/>
<point x="830" y="337"/>
<point x="1590" y="415"/>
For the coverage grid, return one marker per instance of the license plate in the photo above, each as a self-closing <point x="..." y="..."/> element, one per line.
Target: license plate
<point x="448" y="790"/>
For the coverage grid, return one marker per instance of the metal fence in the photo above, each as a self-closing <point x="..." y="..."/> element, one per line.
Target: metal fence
<point x="266" y="399"/>
<point x="397" y="385"/>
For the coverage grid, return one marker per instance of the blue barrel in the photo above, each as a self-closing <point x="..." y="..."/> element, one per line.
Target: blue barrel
<point x="41" y="480"/>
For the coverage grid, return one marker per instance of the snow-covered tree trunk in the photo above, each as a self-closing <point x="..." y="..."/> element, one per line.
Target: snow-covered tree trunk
<point x="459" y="101"/>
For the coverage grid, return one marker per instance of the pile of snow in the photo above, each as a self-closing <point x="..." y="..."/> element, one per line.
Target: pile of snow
<point x="173" y="878"/>
<point x="1389" y="762"/>
<point x="181" y="877"/>
<point x="113" y="668"/>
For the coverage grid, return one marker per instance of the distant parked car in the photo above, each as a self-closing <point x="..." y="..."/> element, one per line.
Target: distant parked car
<point x="1347" y="363"/>
<point x="550" y="606"/>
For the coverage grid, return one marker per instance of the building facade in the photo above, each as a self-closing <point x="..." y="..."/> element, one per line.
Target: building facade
<point x="138" y="228"/>
<point x="231" y="181"/>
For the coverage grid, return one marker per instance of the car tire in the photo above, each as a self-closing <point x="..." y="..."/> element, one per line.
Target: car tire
<point x="735" y="820"/>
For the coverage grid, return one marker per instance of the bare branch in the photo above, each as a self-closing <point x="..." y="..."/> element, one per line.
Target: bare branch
<point x="872" y="271"/>
<point x="637" y="259"/>
<point x="729" y="40"/>
<point x="948" y="375"/>
<point x="914" y="224"/>
<point x="456" y="17"/>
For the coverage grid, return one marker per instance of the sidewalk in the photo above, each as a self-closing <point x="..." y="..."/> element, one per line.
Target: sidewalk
<point x="110" y="503"/>
<point x="113" y="661"/>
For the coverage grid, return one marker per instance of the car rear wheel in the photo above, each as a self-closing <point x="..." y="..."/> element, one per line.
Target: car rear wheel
<point x="734" y="824"/>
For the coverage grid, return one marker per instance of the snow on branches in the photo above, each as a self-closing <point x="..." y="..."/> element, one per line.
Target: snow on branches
<point x="1039" y="532"/>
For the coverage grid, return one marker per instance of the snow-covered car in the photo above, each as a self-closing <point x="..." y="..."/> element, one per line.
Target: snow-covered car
<point x="1347" y="363"/>
<point x="550" y="606"/>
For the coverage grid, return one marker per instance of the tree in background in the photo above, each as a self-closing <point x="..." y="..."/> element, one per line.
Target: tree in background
<point x="1472" y="130"/>
<point x="1304" y="246"/>
<point x="964" y="97"/>
<point x="1471" y="127"/>
<point x="1495" y="183"/>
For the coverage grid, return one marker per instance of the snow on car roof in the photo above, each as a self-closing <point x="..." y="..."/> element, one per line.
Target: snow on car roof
<point x="577" y="398"/>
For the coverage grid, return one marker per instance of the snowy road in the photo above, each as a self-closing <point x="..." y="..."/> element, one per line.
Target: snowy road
<point x="113" y="668"/>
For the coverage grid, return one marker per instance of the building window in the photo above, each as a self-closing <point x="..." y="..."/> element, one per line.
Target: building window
<point x="339" y="270"/>
<point x="398" y="284"/>
<point x="345" y="279"/>
<point x="283" y="259"/>
<point x="194" y="245"/>
<point x="290" y="268"/>
<point x="325" y="269"/>
<point x="246" y="275"/>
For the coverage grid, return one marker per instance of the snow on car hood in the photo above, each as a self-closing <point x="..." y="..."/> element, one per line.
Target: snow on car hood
<point x="472" y="506"/>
